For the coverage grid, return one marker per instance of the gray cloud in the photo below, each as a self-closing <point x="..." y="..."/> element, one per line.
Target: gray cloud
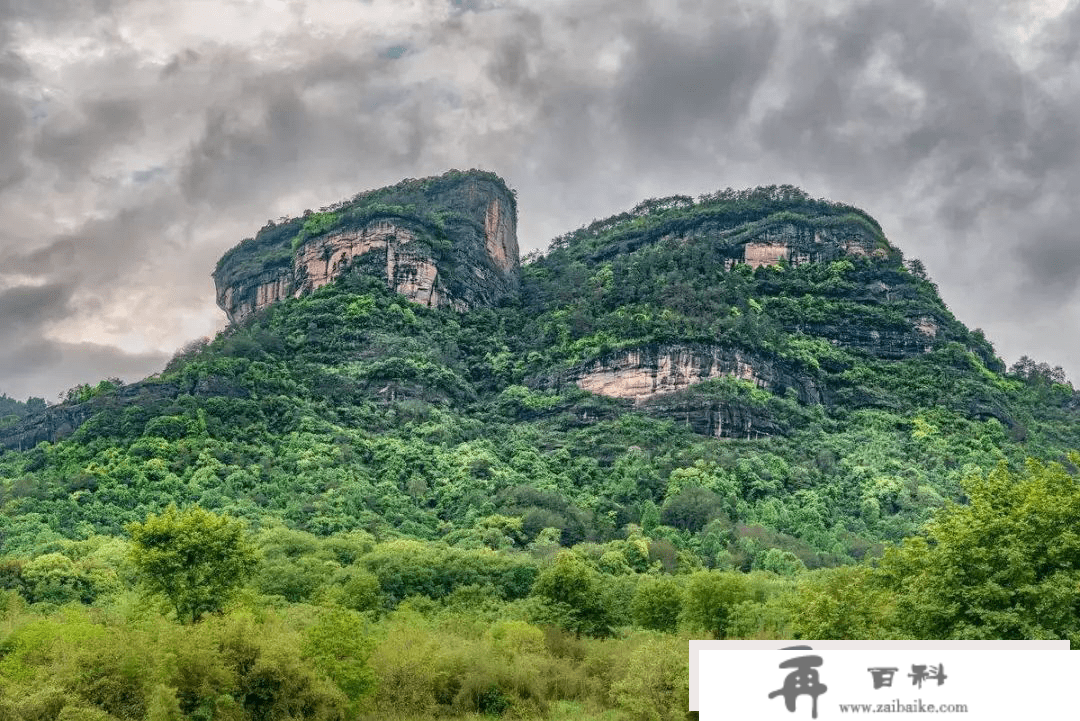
<point x="42" y="367"/>
<point x="132" y="159"/>
<point x="26" y="307"/>
<point x="72" y="144"/>
<point x="683" y="85"/>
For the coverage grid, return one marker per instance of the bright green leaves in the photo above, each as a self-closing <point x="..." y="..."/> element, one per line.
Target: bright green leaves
<point x="573" y="586"/>
<point x="315" y="224"/>
<point x="1005" y="565"/>
<point x="657" y="604"/>
<point x="193" y="558"/>
<point x="709" y="598"/>
<point x="339" y="646"/>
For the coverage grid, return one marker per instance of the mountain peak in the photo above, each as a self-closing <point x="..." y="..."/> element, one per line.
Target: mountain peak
<point x="443" y="241"/>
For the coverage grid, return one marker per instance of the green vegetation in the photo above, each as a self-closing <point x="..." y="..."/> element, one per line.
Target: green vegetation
<point x="316" y="224"/>
<point x="13" y="411"/>
<point x="431" y="207"/>
<point x="354" y="507"/>
<point x="195" y="559"/>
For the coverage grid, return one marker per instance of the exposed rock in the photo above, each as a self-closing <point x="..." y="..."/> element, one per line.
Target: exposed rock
<point x="884" y="344"/>
<point x="653" y="378"/>
<point x="407" y="266"/>
<point x="758" y="254"/>
<point x="719" y="419"/>
<point x="476" y="219"/>
<point x="800" y="244"/>
<point x="641" y="373"/>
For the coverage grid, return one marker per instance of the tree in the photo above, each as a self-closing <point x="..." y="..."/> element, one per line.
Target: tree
<point x="575" y="587"/>
<point x="339" y="646"/>
<point x="1004" y="565"/>
<point x="650" y="517"/>
<point x="196" y="559"/>
<point x="691" y="509"/>
<point x="839" y="603"/>
<point x="710" y="597"/>
<point x="657" y="603"/>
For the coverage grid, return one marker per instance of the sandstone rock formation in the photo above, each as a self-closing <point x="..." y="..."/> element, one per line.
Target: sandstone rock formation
<point x="641" y="374"/>
<point x="449" y="241"/>
<point x="801" y="244"/>
<point x="654" y="379"/>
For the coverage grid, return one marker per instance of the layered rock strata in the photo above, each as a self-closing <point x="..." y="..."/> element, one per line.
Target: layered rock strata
<point x="655" y="378"/>
<point x="799" y="244"/>
<point x="467" y="258"/>
<point x="640" y="374"/>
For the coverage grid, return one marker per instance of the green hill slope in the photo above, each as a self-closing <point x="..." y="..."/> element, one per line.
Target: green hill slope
<point x="820" y="405"/>
<point x="461" y="485"/>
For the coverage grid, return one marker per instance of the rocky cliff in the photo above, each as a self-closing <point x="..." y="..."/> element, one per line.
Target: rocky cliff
<point x="641" y="374"/>
<point x="449" y="241"/>
<point x="660" y="379"/>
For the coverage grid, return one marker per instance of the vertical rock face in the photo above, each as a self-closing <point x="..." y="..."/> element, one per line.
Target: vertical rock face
<point x="641" y="374"/>
<point x="658" y="379"/>
<point x="449" y="241"/>
<point x="500" y="236"/>
<point x="804" y="245"/>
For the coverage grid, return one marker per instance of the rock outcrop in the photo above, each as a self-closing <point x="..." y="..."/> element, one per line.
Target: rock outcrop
<point x="798" y="244"/>
<point x="729" y="418"/>
<point x="449" y="241"/>
<point x="656" y="379"/>
<point x="640" y="374"/>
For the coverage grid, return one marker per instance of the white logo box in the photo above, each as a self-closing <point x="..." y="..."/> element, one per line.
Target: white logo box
<point x="990" y="674"/>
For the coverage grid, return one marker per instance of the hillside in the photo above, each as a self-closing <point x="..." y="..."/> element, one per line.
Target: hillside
<point x="638" y="347"/>
<point x="751" y="382"/>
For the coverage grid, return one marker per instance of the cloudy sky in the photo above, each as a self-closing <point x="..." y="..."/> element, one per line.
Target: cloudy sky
<point x="140" y="139"/>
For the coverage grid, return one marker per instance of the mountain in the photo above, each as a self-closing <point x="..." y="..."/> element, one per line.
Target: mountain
<point x="446" y="241"/>
<point x="774" y="347"/>
<point x="744" y="415"/>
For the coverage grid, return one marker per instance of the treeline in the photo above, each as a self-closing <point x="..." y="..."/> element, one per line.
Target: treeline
<point x="657" y="217"/>
<point x="12" y="411"/>
<point x="346" y="626"/>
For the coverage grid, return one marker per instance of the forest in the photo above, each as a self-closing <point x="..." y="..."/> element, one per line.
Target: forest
<point x="390" y="511"/>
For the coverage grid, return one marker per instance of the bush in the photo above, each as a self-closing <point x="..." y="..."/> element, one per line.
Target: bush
<point x="652" y="681"/>
<point x="657" y="605"/>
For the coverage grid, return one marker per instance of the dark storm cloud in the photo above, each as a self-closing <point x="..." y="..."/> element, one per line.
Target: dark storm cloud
<point x="26" y="307"/>
<point x="161" y="157"/>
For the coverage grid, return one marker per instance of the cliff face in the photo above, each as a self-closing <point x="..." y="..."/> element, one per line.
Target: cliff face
<point x="800" y="244"/>
<point x="443" y="242"/>
<point x="655" y="377"/>
<point x="642" y="374"/>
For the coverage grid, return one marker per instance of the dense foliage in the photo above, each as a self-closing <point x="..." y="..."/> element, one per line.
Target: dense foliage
<point x="428" y="206"/>
<point x="439" y="522"/>
<point x="12" y="411"/>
